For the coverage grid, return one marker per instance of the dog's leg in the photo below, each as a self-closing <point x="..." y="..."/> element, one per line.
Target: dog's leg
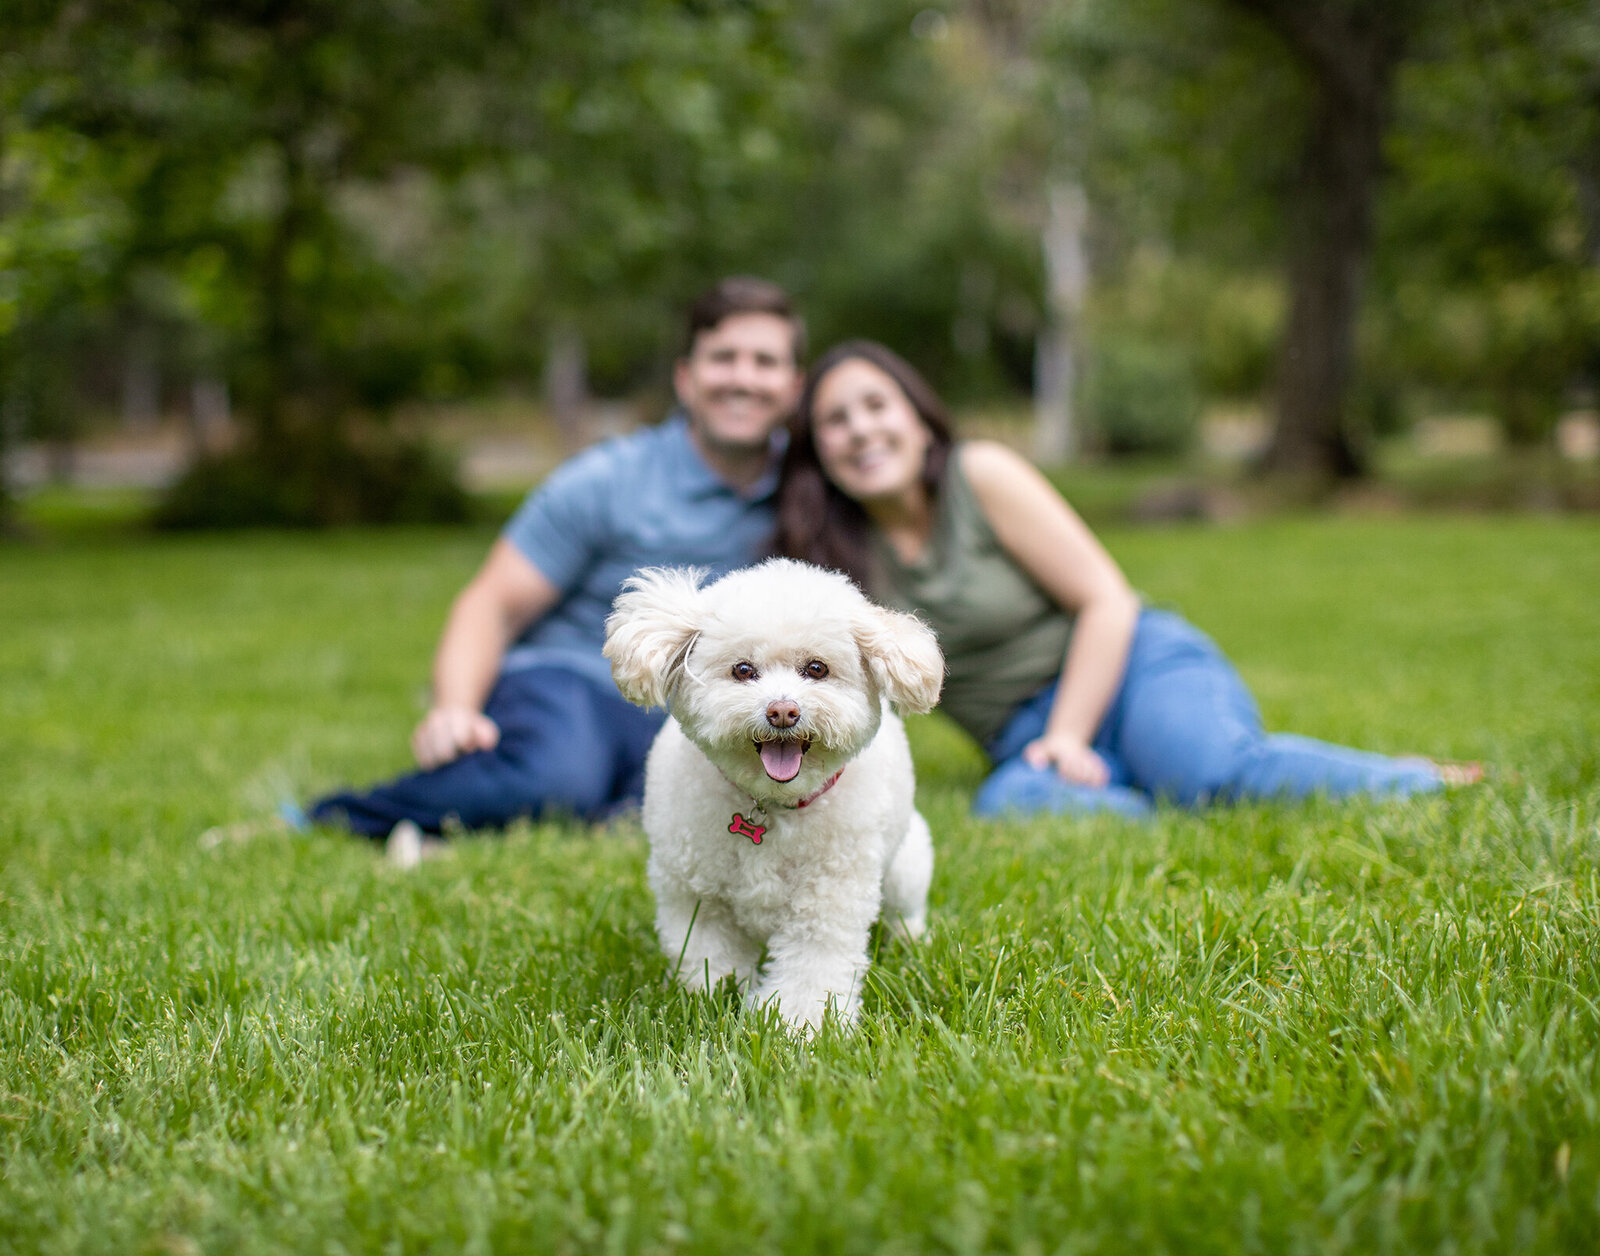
<point x="818" y="958"/>
<point x="905" y="885"/>
<point x="702" y="939"/>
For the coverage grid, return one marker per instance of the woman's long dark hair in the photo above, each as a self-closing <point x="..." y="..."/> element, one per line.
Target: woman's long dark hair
<point x="818" y="523"/>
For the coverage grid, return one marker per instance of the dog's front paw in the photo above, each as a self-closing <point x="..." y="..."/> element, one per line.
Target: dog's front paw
<point x="705" y="945"/>
<point x="804" y="1011"/>
<point x="710" y="965"/>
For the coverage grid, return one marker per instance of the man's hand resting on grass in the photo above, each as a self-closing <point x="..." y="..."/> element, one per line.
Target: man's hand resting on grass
<point x="446" y="733"/>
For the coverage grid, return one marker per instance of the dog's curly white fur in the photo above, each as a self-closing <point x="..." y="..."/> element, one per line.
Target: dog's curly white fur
<point x="777" y="677"/>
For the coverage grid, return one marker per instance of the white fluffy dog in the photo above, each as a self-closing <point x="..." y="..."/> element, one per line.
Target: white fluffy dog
<point x="778" y="797"/>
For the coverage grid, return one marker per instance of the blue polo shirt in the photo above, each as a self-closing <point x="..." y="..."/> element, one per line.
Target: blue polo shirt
<point x="642" y="500"/>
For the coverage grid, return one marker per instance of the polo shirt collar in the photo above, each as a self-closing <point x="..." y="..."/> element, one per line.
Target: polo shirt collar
<point x="699" y="482"/>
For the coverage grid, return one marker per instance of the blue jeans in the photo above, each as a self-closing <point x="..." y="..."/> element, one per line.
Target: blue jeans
<point x="1184" y="728"/>
<point x="568" y="746"/>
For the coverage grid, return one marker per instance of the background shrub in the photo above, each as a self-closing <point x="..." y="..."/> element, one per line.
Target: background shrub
<point x="1140" y="398"/>
<point x="306" y="484"/>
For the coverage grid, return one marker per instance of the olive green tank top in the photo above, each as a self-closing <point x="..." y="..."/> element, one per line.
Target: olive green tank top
<point x="1003" y="637"/>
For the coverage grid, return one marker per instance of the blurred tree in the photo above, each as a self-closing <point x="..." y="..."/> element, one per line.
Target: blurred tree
<point x="1171" y="126"/>
<point x="1490" y="257"/>
<point x="222" y="135"/>
<point x="1349" y="51"/>
<point x="1043" y="151"/>
<point x="1391" y="149"/>
<point x="345" y="205"/>
<point x="62" y="227"/>
<point x="321" y="210"/>
<point x="625" y="156"/>
<point x="909" y="213"/>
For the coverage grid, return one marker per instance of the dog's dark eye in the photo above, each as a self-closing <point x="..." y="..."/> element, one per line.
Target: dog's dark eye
<point x="745" y="671"/>
<point x="816" y="669"/>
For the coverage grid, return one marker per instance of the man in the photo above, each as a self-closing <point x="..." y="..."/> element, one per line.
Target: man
<point x="525" y="719"/>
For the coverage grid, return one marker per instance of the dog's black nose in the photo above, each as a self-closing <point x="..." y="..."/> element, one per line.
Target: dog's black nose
<point x="783" y="714"/>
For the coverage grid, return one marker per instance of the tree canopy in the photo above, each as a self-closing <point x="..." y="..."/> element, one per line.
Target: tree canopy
<point x="327" y="209"/>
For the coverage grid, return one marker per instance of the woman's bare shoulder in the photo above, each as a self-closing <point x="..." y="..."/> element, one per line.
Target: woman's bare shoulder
<point x="993" y="468"/>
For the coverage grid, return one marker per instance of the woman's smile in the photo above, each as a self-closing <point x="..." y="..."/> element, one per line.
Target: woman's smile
<point x="869" y="438"/>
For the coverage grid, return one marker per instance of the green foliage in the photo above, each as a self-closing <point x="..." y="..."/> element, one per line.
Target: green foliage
<point x="1193" y="120"/>
<point x="1274" y="1028"/>
<point x="315" y="483"/>
<point x="342" y="207"/>
<point x="1188" y="124"/>
<point x="1222" y="320"/>
<point x="916" y="197"/>
<point x="1140" y="398"/>
<point x="1490" y="282"/>
<point x="345" y="206"/>
<point x="63" y="229"/>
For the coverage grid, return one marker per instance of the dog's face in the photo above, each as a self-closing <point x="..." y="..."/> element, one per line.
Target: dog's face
<point x="776" y="672"/>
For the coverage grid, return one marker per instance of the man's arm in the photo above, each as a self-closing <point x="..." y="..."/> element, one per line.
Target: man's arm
<point x="506" y="595"/>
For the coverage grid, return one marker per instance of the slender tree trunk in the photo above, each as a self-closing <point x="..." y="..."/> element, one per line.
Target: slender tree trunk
<point x="210" y="417"/>
<point x="10" y="395"/>
<point x="1012" y="30"/>
<point x="1350" y="53"/>
<point x="277" y="329"/>
<point x="1057" y="348"/>
<point x="141" y="377"/>
<point x="566" y="381"/>
<point x="11" y="422"/>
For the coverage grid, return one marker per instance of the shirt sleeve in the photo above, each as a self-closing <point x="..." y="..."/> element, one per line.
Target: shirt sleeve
<point x="565" y="523"/>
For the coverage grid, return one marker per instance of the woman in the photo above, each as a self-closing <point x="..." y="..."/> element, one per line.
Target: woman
<point x="1084" y="699"/>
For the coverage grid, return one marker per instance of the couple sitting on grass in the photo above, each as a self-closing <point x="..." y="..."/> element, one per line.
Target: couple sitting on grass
<point x="1084" y="699"/>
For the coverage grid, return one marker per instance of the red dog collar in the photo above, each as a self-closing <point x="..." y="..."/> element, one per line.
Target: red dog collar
<point x="754" y="827"/>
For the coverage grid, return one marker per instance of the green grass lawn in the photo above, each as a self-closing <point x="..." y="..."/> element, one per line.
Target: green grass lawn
<point x="1275" y="1028"/>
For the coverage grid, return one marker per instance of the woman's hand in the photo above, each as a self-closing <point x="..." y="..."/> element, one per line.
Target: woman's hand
<point x="1071" y="757"/>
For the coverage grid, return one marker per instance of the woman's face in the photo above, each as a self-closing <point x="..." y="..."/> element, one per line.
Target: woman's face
<point x="870" y="440"/>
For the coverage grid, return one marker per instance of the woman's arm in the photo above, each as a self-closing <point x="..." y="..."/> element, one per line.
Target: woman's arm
<point x="1045" y="537"/>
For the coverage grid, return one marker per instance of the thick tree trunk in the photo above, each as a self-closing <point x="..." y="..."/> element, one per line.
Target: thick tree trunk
<point x="1350" y="53"/>
<point x="1331" y="240"/>
<point x="1586" y="179"/>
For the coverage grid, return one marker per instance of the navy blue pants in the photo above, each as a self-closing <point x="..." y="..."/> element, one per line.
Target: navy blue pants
<point x="569" y="746"/>
<point x="1183" y="727"/>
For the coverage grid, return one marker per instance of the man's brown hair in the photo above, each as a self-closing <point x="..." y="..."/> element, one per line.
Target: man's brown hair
<point x="744" y="294"/>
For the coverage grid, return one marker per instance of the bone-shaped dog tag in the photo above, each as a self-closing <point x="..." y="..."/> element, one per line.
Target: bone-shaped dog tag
<point x="746" y="828"/>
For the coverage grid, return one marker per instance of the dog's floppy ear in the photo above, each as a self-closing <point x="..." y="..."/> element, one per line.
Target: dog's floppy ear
<point x="903" y="656"/>
<point x="652" y="624"/>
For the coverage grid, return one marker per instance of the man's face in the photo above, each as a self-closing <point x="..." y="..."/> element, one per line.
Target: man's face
<point x="739" y="381"/>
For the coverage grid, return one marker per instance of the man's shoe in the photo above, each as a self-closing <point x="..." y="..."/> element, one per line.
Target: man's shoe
<point x="403" y="848"/>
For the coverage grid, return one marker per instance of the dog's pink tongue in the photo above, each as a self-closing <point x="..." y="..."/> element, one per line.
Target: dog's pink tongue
<point x="781" y="759"/>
